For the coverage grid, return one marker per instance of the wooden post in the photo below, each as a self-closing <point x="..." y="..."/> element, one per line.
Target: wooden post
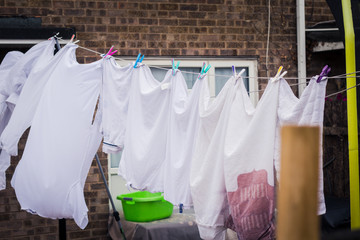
<point x="297" y="192"/>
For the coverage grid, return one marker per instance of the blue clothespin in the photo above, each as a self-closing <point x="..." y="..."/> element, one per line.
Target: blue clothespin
<point x="325" y="71"/>
<point x="204" y="69"/>
<point x="138" y="60"/>
<point x="181" y="206"/>
<point x="174" y="68"/>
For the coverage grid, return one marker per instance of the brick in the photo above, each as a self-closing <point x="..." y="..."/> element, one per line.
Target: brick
<point x="216" y="45"/>
<point x="18" y="3"/>
<point x="128" y="5"/>
<point x="124" y="21"/>
<point x="187" y="22"/>
<point x="115" y="13"/>
<point x="81" y="4"/>
<point x="209" y="38"/>
<point x="177" y="45"/>
<point x="179" y="14"/>
<point x="170" y="52"/>
<point x="234" y="45"/>
<point x="40" y="3"/>
<point x="80" y="234"/>
<point x="196" y="14"/>
<point x="135" y="44"/>
<point x="93" y="12"/>
<point x="74" y="12"/>
<point x="209" y="52"/>
<point x="216" y="30"/>
<point x="234" y="30"/>
<point x="163" y="13"/>
<point x="207" y="22"/>
<point x="190" y="52"/>
<point x="148" y="21"/>
<point x="63" y="4"/>
<point x="216" y="15"/>
<point x="197" y="30"/>
<point x="169" y="7"/>
<point x="219" y="1"/>
<point x="157" y="45"/>
<point x="197" y="44"/>
<point x="192" y="37"/>
<point x="188" y="7"/>
<point x="158" y="29"/>
<point x="94" y="43"/>
<point x="132" y="13"/>
<point x="7" y="11"/>
<point x="118" y="28"/>
<point x="139" y="29"/>
<point x="178" y="29"/>
<point x="244" y="37"/>
<point x="168" y="22"/>
<point x="148" y="6"/>
<point x="208" y="8"/>
<point x="151" y="37"/>
<point x="5" y="233"/>
<point x="99" y="232"/>
<point x="84" y="20"/>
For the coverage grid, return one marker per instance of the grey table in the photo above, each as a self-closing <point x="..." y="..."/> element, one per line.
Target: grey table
<point x="178" y="226"/>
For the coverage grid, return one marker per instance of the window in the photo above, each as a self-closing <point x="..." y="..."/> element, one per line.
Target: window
<point x="219" y="73"/>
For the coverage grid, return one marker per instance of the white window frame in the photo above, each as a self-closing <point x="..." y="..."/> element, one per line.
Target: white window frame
<point x="116" y="183"/>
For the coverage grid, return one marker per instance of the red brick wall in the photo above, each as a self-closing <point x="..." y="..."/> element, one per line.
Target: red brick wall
<point x="215" y="28"/>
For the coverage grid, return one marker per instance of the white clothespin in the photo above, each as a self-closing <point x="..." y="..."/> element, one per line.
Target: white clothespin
<point x="239" y="75"/>
<point x="278" y="75"/>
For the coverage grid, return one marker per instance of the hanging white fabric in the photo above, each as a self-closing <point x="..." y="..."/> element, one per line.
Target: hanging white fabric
<point x="142" y="160"/>
<point x="248" y="163"/>
<point x="306" y="110"/>
<point x="207" y="180"/>
<point x="182" y="132"/>
<point x="11" y="85"/>
<point x="50" y="177"/>
<point x="116" y="91"/>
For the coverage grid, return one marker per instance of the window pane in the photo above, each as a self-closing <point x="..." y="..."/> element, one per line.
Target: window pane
<point x="190" y="74"/>
<point x="115" y="159"/>
<point x="227" y="72"/>
<point x="159" y="74"/>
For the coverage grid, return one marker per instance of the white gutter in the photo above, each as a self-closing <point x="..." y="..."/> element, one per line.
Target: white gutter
<point x="301" y="44"/>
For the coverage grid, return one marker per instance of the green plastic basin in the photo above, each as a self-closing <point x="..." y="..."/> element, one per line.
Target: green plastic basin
<point x="145" y="206"/>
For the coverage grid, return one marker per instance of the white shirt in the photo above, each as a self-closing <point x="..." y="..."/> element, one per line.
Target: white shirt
<point x="115" y="98"/>
<point x="182" y="132"/>
<point x="144" y="152"/>
<point x="50" y="177"/>
<point x="11" y="120"/>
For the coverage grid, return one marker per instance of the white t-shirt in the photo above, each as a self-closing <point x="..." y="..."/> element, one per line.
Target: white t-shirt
<point x="50" y="177"/>
<point x="30" y="95"/>
<point x="146" y="131"/>
<point x="182" y="132"/>
<point x="11" y="85"/>
<point x="115" y="100"/>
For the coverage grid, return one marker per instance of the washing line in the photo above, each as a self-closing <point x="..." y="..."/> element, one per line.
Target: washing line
<point x="219" y="75"/>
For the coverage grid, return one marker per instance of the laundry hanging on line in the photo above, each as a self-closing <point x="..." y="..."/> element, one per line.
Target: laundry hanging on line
<point x="11" y="85"/>
<point x="177" y="105"/>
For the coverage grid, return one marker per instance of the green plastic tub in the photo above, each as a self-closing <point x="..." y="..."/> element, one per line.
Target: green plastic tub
<point x="145" y="206"/>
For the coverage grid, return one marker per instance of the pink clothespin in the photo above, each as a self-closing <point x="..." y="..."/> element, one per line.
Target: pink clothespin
<point x="109" y="53"/>
<point x="72" y="38"/>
